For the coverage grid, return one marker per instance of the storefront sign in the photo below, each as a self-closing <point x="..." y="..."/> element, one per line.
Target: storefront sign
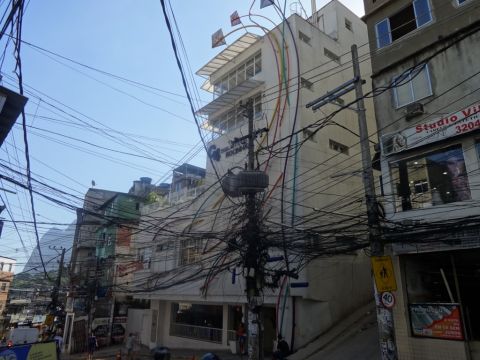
<point x="383" y="273"/>
<point x="440" y="321"/>
<point x="460" y="122"/>
<point x="40" y="351"/>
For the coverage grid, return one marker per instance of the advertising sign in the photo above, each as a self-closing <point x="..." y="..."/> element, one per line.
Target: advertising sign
<point x="40" y="351"/>
<point x="457" y="123"/>
<point x="441" y="321"/>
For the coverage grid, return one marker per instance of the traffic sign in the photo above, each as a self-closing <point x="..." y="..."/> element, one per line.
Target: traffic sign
<point x="383" y="272"/>
<point x="388" y="299"/>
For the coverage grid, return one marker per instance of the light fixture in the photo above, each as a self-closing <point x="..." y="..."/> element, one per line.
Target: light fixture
<point x="444" y="173"/>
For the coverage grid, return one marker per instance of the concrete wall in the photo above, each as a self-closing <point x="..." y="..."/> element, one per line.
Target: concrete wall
<point x="448" y="17"/>
<point x="139" y="322"/>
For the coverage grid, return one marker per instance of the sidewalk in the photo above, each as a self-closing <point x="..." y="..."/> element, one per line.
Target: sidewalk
<point x="143" y="353"/>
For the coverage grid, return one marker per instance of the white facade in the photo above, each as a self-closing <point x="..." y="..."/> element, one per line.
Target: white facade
<point x="320" y="188"/>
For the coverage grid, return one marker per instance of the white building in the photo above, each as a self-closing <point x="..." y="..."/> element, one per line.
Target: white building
<point x="192" y="277"/>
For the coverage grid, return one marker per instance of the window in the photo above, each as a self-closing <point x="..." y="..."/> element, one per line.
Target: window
<point x="244" y="71"/>
<point x="234" y="118"/>
<point x="9" y="268"/>
<point x="435" y="178"/>
<point x="304" y="83"/>
<point x="338" y="147"/>
<point x="3" y="287"/>
<point x="1" y="266"/>
<point x="461" y="2"/>
<point x="191" y="251"/>
<point x="331" y="55"/>
<point x="412" y="17"/>
<point x="304" y="37"/>
<point x="144" y="257"/>
<point x="348" y="24"/>
<point x="412" y="86"/>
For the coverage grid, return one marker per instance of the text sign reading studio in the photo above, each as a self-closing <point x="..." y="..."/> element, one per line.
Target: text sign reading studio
<point x="460" y="122"/>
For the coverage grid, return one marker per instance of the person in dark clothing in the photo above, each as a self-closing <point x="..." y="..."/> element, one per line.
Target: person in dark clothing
<point x="91" y="345"/>
<point x="282" y="349"/>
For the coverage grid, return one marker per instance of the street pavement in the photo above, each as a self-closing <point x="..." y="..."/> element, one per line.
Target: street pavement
<point x="143" y="353"/>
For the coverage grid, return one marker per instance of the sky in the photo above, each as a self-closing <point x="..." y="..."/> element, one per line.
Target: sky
<point x="86" y="125"/>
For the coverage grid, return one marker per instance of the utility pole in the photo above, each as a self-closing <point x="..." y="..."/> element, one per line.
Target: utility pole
<point x="54" y="303"/>
<point x="253" y="270"/>
<point x="386" y="331"/>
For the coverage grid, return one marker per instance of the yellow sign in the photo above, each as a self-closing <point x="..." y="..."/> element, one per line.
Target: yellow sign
<point x="49" y="320"/>
<point x="383" y="272"/>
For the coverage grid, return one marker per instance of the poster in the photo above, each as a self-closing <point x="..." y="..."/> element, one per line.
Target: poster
<point x="441" y="321"/>
<point x="38" y="351"/>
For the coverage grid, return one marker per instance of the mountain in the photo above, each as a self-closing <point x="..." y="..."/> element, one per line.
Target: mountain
<point x="53" y="237"/>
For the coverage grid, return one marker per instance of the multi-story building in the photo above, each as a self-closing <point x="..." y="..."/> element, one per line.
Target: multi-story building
<point x="425" y="79"/>
<point x="102" y="262"/>
<point x="194" y="279"/>
<point x="6" y="276"/>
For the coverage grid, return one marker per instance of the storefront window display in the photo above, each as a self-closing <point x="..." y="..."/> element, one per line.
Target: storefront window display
<point x="435" y="178"/>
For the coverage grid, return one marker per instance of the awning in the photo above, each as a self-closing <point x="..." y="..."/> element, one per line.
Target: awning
<point x="228" y="99"/>
<point x="228" y="54"/>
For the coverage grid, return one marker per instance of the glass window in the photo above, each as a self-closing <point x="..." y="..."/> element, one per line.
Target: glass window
<point x="241" y="74"/>
<point x="412" y="86"/>
<point x="423" y="14"/>
<point x="232" y="80"/>
<point x="413" y="16"/>
<point x="258" y="64"/>
<point x="3" y="287"/>
<point x="348" y="24"/>
<point x="383" y="33"/>
<point x="433" y="179"/>
<point x="250" y="71"/>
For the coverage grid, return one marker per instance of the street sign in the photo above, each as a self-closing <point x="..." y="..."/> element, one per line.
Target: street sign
<point x="383" y="273"/>
<point x="388" y="299"/>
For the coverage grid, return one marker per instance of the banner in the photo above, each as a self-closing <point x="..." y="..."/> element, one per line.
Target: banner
<point x="37" y="351"/>
<point x="441" y="321"/>
<point x="457" y="123"/>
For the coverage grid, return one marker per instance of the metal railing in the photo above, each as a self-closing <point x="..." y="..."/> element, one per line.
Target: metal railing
<point x="231" y="335"/>
<point x="196" y="332"/>
<point x="185" y="194"/>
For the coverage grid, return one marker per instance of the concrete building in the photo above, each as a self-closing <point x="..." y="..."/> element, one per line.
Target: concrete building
<point x="425" y="77"/>
<point x="7" y="266"/>
<point x="194" y="282"/>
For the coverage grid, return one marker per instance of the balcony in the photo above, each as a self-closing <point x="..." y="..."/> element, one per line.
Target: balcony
<point x="202" y="333"/>
<point x="186" y="194"/>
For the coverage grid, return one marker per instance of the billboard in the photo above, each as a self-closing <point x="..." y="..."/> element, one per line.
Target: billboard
<point x="436" y="320"/>
<point x="37" y="351"/>
<point x="454" y="124"/>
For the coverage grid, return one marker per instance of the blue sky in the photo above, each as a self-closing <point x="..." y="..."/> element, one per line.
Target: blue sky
<point x="123" y="37"/>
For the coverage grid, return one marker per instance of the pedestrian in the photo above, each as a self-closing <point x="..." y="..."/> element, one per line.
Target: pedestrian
<point x="282" y="349"/>
<point x="129" y="346"/>
<point x="58" y="344"/>
<point x="241" y="338"/>
<point x="92" y="345"/>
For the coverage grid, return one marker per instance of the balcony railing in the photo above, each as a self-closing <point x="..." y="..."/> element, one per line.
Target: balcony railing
<point x="185" y="194"/>
<point x="196" y="332"/>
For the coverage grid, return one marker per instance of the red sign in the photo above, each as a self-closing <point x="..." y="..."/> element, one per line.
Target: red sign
<point x="440" y="321"/>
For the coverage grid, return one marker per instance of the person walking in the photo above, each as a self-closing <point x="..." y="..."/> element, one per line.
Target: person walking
<point x="241" y="337"/>
<point x="129" y="342"/>
<point x="91" y="345"/>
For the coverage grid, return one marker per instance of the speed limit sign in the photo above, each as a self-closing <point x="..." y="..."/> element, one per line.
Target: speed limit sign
<point x="388" y="299"/>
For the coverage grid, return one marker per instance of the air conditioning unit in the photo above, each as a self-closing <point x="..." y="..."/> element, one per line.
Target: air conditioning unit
<point x="414" y="109"/>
